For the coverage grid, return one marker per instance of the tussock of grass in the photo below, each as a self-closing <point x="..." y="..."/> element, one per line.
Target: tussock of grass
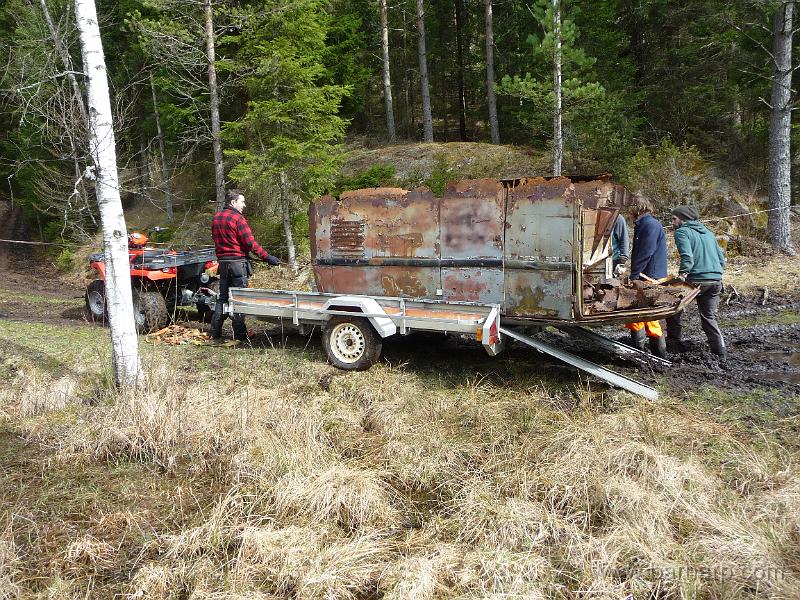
<point x="342" y="494"/>
<point x="88" y="551"/>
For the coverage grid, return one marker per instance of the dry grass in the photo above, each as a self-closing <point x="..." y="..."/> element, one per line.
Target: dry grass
<point x="399" y="484"/>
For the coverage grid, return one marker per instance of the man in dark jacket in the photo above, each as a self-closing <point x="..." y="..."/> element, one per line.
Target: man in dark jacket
<point x="233" y="240"/>
<point x="648" y="257"/>
<point x="702" y="263"/>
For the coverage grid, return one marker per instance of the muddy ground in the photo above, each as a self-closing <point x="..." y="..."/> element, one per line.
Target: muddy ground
<point x="763" y="338"/>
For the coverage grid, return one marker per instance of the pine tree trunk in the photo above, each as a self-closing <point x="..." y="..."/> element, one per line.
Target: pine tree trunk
<point x="291" y="253"/>
<point x="387" y="80"/>
<point x="558" y="141"/>
<point x="780" y="172"/>
<point x="65" y="61"/>
<point x="494" y="129"/>
<point x="462" y="101"/>
<point x="216" y="140"/>
<point x="119" y="303"/>
<point x="443" y="82"/>
<point x="427" y="118"/>
<point x="166" y="176"/>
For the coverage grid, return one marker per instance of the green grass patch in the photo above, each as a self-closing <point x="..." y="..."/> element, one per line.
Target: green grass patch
<point x="17" y="296"/>
<point x="789" y="317"/>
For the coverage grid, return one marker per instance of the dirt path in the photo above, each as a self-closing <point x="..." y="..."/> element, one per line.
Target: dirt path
<point x="31" y="289"/>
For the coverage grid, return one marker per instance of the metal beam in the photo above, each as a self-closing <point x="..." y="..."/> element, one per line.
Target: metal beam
<point x="619" y="348"/>
<point x="605" y="374"/>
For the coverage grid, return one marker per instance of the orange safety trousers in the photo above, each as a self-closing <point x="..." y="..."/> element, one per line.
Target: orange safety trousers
<point x="652" y="328"/>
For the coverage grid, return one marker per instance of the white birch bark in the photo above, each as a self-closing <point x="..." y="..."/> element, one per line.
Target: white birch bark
<point x="387" y="79"/>
<point x="166" y="175"/>
<point x="558" y="140"/>
<point x="780" y="124"/>
<point x="216" y="139"/>
<point x="494" y="129"/>
<point x="291" y="254"/>
<point x="124" y="343"/>
<point x="427" y="118"/>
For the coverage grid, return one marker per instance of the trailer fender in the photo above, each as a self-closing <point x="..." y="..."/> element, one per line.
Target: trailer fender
<point x="368" y="306"/>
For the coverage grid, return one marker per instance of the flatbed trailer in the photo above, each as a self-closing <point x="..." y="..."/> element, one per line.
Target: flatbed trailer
<point x="354" y="326"/>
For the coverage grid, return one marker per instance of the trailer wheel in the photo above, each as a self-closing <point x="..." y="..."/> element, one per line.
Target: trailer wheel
<point x="351" y="343"/>
<point x="149" y="311"/>
<point x="96" y="300"/>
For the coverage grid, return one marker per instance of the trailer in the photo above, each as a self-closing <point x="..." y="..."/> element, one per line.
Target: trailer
<point x="495" y="260"/>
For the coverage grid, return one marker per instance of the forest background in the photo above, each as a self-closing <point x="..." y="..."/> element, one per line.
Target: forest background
<point x="653" y="80"/>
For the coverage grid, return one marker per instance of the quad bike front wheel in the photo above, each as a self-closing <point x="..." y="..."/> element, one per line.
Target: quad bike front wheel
<point x="149" y="311"/>
<point x="96" y="300"/>
<point x="351" y="343"/>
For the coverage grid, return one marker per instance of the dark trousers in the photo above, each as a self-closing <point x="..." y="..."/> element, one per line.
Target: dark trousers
<point x="707" y="305"/>
<point x="231" y="274"/>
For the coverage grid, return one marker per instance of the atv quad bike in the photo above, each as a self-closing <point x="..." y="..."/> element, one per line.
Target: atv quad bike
<point x="161" y="281"/>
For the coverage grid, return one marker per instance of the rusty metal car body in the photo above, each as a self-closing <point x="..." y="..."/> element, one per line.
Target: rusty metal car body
<point x="537" y="247"/>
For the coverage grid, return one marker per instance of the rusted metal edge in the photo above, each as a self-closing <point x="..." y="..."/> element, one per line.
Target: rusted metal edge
<point x="606" y="375"/>
<point x="443" y="262"/>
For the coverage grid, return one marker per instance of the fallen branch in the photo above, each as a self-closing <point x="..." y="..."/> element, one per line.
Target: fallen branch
<point x="734" y="294"/>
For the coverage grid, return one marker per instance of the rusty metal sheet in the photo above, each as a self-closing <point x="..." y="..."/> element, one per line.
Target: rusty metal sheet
<point x="540" y="252"/>
<point x="473" y="284"/>
<point x="472" y="216"/>
<point x="380" y="242"/>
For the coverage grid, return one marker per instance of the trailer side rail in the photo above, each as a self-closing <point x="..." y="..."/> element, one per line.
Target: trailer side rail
<point x="405" y="314"/>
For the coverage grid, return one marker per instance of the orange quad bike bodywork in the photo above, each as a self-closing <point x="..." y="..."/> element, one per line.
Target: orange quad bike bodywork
<point x="162" y="280"/>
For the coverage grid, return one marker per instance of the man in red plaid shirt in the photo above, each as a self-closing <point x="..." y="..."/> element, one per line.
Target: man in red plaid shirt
<point x="233" y="240"/>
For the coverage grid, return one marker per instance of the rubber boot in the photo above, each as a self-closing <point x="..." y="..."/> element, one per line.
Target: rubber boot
<point x="658" y="346"/>
<point x="719" y="350"/>
<point x="638" y="339"/>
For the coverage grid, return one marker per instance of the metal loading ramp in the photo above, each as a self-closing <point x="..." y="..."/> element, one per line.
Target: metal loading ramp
<point x="607" y="375"/>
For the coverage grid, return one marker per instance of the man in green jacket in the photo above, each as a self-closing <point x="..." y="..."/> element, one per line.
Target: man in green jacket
<point x="702" y="263"/>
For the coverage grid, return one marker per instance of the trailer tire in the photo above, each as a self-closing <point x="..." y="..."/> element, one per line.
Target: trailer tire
<point x="95" y="298"/>
<point x="149" y="311"/>
<point x="351" y="343"/>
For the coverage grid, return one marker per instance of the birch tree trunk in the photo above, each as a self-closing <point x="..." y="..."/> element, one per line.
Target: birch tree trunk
<point x="558" y="140"/>
<point x="216" y="140"/>
<point x="427" y="118"/>
<point x="166" y="175"/>
<point x="119" y="303"/>
<point x="780" y="124"/>
<point x="462" y="101"/>
<point x="291" y="254"/>
<point x="387" y="80"/>
<point x="494" y="129"/>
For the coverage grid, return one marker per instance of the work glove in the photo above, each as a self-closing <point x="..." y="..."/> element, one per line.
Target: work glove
<point x="620" y="270"/>
<point x="273" y="260"/>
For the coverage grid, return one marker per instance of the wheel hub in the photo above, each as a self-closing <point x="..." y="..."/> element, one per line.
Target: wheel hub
<point x="348" y="342"/>
<point x="96" y="303"/>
